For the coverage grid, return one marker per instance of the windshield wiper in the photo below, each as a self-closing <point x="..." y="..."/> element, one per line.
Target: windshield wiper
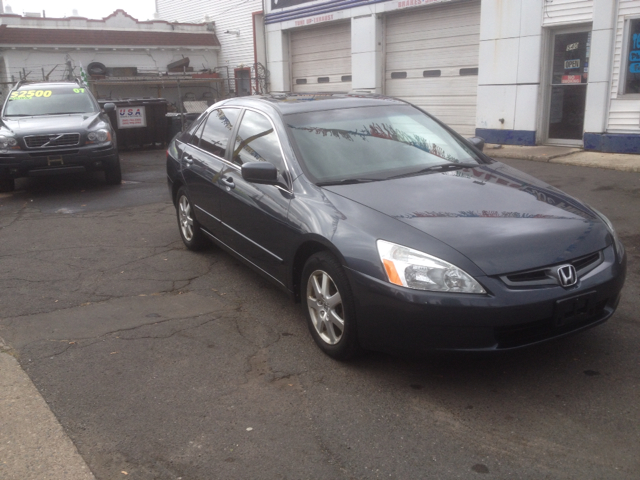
<point x="347" y="181"/>
<point x="443" y="167"/>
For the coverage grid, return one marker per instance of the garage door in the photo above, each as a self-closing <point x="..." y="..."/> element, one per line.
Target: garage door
<point x="321" y="58"/>
<point x="432" y="61"/>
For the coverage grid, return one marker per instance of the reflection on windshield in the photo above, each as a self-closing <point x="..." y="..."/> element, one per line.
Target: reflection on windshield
<point x="372" y="142"/>
<point x="57" y="103"/>
<point x="385" y="131"/>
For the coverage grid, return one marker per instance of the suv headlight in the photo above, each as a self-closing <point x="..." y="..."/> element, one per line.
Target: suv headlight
<point x="99" y="136"/>
<point x="7" y="142"/>
<point x="414" y="269"/>
<point x="617" y="244"/>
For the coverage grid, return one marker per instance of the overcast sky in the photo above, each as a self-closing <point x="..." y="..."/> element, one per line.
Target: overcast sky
<point x="140" y="9"/>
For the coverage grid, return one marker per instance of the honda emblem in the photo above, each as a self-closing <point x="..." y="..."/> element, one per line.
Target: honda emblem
<point x="567" y="275"/>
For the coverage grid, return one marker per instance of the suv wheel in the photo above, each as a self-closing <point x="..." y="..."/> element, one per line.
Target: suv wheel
<point x="112" y="173"/>
<point x="7" y="185"/>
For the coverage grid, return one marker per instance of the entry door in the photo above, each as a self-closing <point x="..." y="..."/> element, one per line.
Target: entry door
<point x="569" y="75"/>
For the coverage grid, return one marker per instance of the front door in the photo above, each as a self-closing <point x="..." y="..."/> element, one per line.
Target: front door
<point x="569" y="75"/>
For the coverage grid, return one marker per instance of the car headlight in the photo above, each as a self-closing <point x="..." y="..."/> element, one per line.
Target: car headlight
<point x="617" y="244"/>
<point x="7" y="142"/>
<point x="99" y="136"/>
<point x="414" y="269"/>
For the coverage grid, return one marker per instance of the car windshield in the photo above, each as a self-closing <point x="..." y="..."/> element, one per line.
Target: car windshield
<point x="374" y="143"/>
<point x="41" y="100"/>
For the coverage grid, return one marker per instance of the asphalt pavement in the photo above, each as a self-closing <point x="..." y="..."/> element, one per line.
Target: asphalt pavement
<point x="150" y="293"/>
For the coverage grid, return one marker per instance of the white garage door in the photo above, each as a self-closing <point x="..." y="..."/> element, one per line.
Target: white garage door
<point x="321" y="58"/>
<point x="432" y="61"/>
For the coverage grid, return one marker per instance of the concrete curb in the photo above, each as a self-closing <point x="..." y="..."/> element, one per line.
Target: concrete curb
<point x="566" y="156"/>
<point x="33" y="444"/>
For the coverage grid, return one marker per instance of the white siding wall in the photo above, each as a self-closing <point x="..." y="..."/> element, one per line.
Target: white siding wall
<point x="567" y="11"/>
<point x="236" y="50"/>
<point x="624" y="113"/>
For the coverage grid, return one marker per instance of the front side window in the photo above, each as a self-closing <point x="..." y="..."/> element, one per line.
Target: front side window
<point x="257" y="142"/>
<point x="33" y="100"/>
<point x="375" y="143"/>
<point x="217" y="130"/>
<point x="632" y="64"/>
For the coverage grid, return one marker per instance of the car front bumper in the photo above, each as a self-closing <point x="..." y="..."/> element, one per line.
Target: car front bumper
<point x="393" y="318"/>
<point x="15" y="164"/>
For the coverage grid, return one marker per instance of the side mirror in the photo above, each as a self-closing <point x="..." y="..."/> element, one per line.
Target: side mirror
<point x="109" y="107"/>
<point x="260" y="172"/>
<point x="477" y="142"/>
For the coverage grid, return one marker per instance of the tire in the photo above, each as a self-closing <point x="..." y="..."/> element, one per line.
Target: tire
<point x="188" y="226"/>
<point x="113" y="174"/>
<point x="96" y="68"/>
<point x="7" y="185"/>
<point x="329" y="307"/>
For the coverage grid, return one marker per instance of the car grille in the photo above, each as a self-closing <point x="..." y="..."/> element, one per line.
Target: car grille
<point x="52" y="140"/>
<point x="543" y="276"/>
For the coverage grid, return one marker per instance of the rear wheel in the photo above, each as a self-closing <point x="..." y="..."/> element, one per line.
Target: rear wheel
<point x="7" y="184"/>
<point x="329" y="307"/>
<point x="113" y="174"/>
<point x="189" y="227"/>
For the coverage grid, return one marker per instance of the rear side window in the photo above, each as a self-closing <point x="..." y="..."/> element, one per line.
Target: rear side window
<point x="217" y="130"/>
<point x="33" y="100"/>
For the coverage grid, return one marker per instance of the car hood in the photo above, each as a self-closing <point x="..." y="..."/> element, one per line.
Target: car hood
<point x="500" y="218"/>
<point x="44" y="124"/>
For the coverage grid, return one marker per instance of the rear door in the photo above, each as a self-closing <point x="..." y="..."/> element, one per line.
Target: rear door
<point x="203" y="161"/>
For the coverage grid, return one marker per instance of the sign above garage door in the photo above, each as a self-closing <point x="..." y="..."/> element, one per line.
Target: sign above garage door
<point x="287" y="3"/>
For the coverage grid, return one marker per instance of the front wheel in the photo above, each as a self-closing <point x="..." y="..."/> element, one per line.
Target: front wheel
<point x="7" y="184"/>
<point x="113" y="174"/>
<point x="189" y="227"/>
<point x="328" y="304"/>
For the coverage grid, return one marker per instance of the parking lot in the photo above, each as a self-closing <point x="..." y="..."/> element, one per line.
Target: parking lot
<point x="168" y="364"/>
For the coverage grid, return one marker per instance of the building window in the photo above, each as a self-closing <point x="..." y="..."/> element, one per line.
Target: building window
<point x="398" y="74"/>
<point x="632" y="64"/>
<point x="468" y="71"/>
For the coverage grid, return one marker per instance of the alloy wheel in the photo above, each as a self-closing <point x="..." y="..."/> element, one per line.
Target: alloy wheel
<point x="325" y="307"/>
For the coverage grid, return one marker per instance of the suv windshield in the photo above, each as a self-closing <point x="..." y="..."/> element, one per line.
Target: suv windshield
<point x="374" y="143"/>
<point x="49" y="100"/>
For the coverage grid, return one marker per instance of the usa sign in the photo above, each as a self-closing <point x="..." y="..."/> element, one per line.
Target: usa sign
<point x="132" y="117"/>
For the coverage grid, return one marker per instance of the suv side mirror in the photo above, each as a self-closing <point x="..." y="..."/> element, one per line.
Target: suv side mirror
<point x="109" y="107"/>
<point x="477" y="142"/>
<point x="260" y="172"/>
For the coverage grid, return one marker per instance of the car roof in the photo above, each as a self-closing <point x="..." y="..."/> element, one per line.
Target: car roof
<point x="31" y="85"/>
<point x="287" y="103"/>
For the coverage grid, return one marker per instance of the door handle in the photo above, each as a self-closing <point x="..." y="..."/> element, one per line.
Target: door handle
<point x="188" y="159"/>
<point x="228" y="183"/>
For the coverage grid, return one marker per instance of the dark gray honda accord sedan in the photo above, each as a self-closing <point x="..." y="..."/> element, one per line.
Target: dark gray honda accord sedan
<point x="394" y="232"/>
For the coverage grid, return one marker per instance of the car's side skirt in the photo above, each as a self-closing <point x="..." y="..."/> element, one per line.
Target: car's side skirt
<point x="245" y="260"/>
<point x="241" y="235"/>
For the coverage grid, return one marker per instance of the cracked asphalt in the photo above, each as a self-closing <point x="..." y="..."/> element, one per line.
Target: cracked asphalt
<point x="160" y="363"/>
